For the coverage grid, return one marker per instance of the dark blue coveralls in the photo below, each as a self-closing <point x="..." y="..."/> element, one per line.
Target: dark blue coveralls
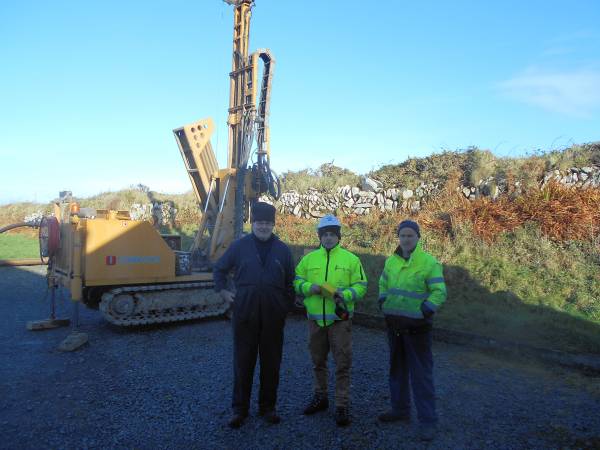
<point x="411" y="363"/>
<point x="263" y="278"/>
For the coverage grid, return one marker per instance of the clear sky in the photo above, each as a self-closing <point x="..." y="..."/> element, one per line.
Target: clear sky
<point x="90" y="91"/>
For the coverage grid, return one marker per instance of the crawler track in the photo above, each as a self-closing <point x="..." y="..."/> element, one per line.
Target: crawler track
<point x="140" y="305"/>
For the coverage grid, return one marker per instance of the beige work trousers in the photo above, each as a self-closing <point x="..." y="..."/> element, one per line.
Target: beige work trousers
<point x="338" y="338"/>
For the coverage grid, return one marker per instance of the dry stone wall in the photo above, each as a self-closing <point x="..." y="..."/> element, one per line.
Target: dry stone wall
<point x="369" y="196"/>
<point x="372" y="196"/>
<point x="159" y="213"/>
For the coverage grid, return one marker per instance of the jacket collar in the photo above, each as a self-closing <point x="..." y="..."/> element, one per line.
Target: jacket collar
<point x="415" y="253"/>
<point x="273" y="237"/>
<point x="333" y="250"/>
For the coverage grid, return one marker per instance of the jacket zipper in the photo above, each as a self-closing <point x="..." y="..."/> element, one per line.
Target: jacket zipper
<point x="326" y="273"/>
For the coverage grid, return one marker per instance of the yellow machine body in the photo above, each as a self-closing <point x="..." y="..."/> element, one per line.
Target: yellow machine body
<point x="112" y="249"/>
<point x="129" y="270"/>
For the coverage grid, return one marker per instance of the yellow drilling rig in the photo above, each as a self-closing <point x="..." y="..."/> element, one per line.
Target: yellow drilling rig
<point x="135" y="275"/>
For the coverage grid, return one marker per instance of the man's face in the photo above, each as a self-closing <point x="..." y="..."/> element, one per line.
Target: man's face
<point x="329" y="240"/>
<point x="408" y="239"/>
<point x="262" y="230"/>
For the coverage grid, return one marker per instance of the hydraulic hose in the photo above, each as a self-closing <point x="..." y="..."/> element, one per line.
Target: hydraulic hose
<point x="20" y="262"/>
<point x="19" y="225"/>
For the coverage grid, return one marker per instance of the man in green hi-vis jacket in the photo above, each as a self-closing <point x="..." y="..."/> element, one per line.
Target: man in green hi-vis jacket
<point x="331" y="279"/>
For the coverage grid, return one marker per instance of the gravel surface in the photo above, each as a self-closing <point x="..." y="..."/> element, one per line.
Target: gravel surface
<point x="170" y="387"/>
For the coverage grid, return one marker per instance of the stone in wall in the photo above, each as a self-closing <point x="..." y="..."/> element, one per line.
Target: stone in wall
<point x="371" y="185"/>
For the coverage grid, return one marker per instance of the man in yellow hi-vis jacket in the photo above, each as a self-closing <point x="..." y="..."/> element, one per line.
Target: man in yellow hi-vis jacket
<point x="411" y="289"/>
<point x="331" y="279"/>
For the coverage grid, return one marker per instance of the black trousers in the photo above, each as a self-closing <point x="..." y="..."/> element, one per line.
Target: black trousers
<point x="258" y="334"/>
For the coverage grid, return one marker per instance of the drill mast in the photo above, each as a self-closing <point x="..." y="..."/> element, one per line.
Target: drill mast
<point x="226" y="194"/>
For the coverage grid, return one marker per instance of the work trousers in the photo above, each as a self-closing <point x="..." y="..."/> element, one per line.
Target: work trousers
<point x="411" y="362"/>
<point x="260" y="335"/>
<point x="337" y="338"/>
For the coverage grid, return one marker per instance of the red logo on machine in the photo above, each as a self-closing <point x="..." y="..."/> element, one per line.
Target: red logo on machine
<point x="111" y="260"/>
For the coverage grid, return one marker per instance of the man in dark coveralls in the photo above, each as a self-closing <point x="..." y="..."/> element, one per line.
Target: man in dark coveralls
<point x="263" y="275"/>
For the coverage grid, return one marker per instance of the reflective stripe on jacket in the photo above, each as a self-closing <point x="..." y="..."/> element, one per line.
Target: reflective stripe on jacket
<point x="405" y="284"/>
<point x="338" y="267"/>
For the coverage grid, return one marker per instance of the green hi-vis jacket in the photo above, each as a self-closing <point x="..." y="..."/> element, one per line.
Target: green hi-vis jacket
<point x="338" y="267"/>
<point x="405" y="284"/>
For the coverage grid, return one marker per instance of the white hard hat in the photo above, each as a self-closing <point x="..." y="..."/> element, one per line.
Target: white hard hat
<point x="328" y="221"/>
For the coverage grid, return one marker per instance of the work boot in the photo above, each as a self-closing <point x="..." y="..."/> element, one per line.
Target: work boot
<point x="269" y="415"/>
<point x="427" y="431"/>
<point x="318" y="403"/>
<point x="237" y="420"/>
<point x="391" y="416"/>
<point x="342" y="417"/>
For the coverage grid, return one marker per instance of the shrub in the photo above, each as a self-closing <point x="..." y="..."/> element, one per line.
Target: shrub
<point x="326" y="178"/>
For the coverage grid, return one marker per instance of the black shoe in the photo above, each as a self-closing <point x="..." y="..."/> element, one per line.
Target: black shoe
<point x="271" y="417"/>
<point x="427" y="432"/>
<point x="342" y="417"/>
<point x="391" y="416"/>
<point x="237" y="420"/>
<point x="318" y="403"/>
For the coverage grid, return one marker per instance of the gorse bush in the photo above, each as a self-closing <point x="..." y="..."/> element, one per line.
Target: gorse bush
<point x="479" y="165"/>
<point x="414" y="171"/>
<point x="575" y="156"/>
<point x="325" y="179"/>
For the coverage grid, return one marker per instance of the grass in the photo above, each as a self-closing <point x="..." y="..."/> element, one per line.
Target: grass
<point x="523" y="287"/>
<point x="18" y="246"/>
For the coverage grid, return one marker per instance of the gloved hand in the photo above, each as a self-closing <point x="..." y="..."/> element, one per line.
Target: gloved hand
<point x="299" y="301"/>
<point x="315" y="289"/>
<point x="427" y="312"/>
<point x="341" y="310"/>
<point x="227" y="296"/>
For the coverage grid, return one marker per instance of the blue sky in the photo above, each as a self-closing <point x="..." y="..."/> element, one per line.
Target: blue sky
<point x="90" y="91"/>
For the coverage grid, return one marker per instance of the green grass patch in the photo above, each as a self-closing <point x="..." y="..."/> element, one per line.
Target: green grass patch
<point x="523" y="288"/>
<point x="18" y="246"/>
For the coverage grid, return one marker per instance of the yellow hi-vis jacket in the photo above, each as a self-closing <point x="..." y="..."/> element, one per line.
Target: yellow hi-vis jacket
<point x="405" y="284"/>
<point x="338" y="267"/>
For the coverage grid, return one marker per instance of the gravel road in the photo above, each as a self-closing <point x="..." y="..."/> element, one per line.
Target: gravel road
<point x="170" y="387"/>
